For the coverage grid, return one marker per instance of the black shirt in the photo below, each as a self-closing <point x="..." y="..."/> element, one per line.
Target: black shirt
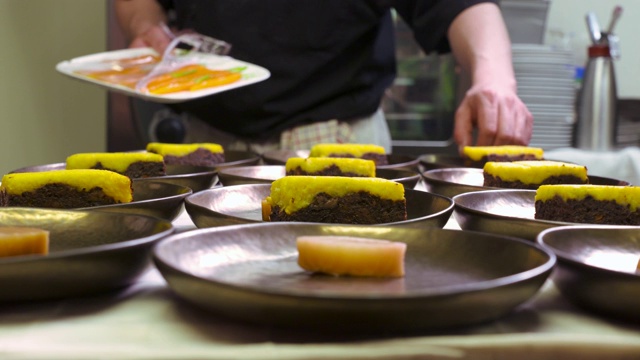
<point x="329" y="59"/>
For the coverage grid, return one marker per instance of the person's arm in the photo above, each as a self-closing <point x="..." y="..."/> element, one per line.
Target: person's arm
<point x="142" y="21"/>
<point x="481" y="45"/>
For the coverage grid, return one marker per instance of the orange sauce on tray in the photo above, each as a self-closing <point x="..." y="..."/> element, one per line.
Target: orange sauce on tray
<point x="128" y="72"/>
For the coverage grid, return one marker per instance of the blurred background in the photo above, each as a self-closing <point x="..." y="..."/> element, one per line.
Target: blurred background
<point x="47" y="116"/>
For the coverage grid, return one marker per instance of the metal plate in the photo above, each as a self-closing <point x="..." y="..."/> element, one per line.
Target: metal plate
<point x="90" y="252"/>
<point x="242" y="204"/>
<point x="597" y="267"/>
<point x="502" y="212"/>
<point x="440" y="161"/>
<point x="396" y="161"/>
<point x="454" y="181"/>
<point x="153" y="198"/>
<point x="453" y="278"/>
<point x="266" y="174"/>
<point x="195" y="177"/>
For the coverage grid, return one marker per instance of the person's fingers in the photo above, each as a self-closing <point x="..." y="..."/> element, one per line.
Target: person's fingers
<point x="508" y="123"/>
<point x="516" y="123"/>
<point x="155" y="37"/>
<point x="463" y="125"/>
<point x="487" y="114"/>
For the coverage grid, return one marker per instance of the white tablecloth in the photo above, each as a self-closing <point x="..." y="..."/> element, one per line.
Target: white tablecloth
<point x="147" y="321"/>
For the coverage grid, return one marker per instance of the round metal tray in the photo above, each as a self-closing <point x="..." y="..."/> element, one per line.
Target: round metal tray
<point x="454" y="181"/>
<point x="453" y="278"/>
<point x="89" y="252"/>
<point x="242" y="204"/>
<point x="266" y="174"/>
<point x="395" y="161"/>
<point x="597" y="267"/>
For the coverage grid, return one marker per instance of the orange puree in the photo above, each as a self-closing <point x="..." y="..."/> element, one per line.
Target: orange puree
<point x="128" y="72"/>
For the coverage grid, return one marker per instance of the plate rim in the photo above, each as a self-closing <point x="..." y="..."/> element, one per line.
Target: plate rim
<point x="445" y="292"/>
<point x="102" y="248"/>
<point x="188" y="202"/>
<point x="567" y="258"/>
<point x="67" y="67"/>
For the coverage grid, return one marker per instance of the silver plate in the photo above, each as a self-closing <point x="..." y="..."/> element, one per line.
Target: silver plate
<point x="450" y="182"/>
<point x="441" y="161"/>
<point x="250" y="273"/>
<point x="90" y="252"/>
<point x="502" y="212"/>
<point x="153" y="198"/>
<point x="597" y="267"/>
<point x="194" y="177"/>
<point x="242" y="204"/>
<point x="266" y="174"/>
<point x="396" y="161"/>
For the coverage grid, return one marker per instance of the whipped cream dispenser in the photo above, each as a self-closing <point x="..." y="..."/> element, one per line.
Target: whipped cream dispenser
<point x="597" y="100"/>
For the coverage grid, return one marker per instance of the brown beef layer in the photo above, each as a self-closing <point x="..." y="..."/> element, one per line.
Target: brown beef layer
<point x="332" y="170"/>
<point x="588" y="210"/>
<point x="379" y="159"/>
<point x="356" y="208"/>
<point x="59" y="196"/>
<point x="200" y="157"/>
<point x="140" y="169"/>
<point x="496" y="181"/>
<point x="498" y="158"/>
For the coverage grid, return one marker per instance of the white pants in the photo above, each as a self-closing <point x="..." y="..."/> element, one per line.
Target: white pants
<point x="371" y="129"/>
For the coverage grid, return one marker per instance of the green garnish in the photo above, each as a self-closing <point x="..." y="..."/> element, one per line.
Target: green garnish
<point x="182" y="73"/>
<point x="237" y="69"/>
<point x="202" y="78"/>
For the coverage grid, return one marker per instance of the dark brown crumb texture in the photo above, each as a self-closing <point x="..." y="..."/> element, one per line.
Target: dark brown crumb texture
<point x="498" y="158"/>
<point x="496" y="181"/>
<point x="200" y="157"/>
<point x="139" y="169"/>
<point x="379" y="159"/>
<point x="588" y="210"/>
<point x="357" y="208"/>
<point x="60" y="196"/>
<point x="332" y="170"/>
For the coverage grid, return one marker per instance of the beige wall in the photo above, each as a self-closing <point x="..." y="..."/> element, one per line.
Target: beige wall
<point x="568" y="17"/>
<point x="47" y="116"/>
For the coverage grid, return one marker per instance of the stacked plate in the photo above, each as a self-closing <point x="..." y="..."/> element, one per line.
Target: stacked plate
<point x="546" y="85"/>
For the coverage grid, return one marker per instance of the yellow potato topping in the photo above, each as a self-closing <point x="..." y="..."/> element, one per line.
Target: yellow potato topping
<point x="476" y="153"/>
<point x="355" y="150"/>
<point x="292" y="193"/>
<point x="535" y="171"/>
<point x="623" y="195"/>
<point x="113" y="184"/>
<point x="182" y="149"/>
<point x="118" y="161"/>
<point x="315" y="164"/>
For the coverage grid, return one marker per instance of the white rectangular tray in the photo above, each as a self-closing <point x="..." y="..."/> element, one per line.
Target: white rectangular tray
<point x="251" y="74"/>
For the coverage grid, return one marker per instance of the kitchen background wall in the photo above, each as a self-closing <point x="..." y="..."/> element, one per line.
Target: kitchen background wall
<point x="47" y="116"/>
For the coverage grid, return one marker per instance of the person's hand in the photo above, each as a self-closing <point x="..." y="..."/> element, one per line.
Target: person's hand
<point x="497" y="113"/>
<point x="157" y="37"/>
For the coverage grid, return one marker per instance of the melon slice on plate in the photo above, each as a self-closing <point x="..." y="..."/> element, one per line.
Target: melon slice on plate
<point x="16" y="241"/>
<point x="353" y="256"/>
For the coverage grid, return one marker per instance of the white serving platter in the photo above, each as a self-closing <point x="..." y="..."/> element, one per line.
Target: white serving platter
<point x="251" y="73"/>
